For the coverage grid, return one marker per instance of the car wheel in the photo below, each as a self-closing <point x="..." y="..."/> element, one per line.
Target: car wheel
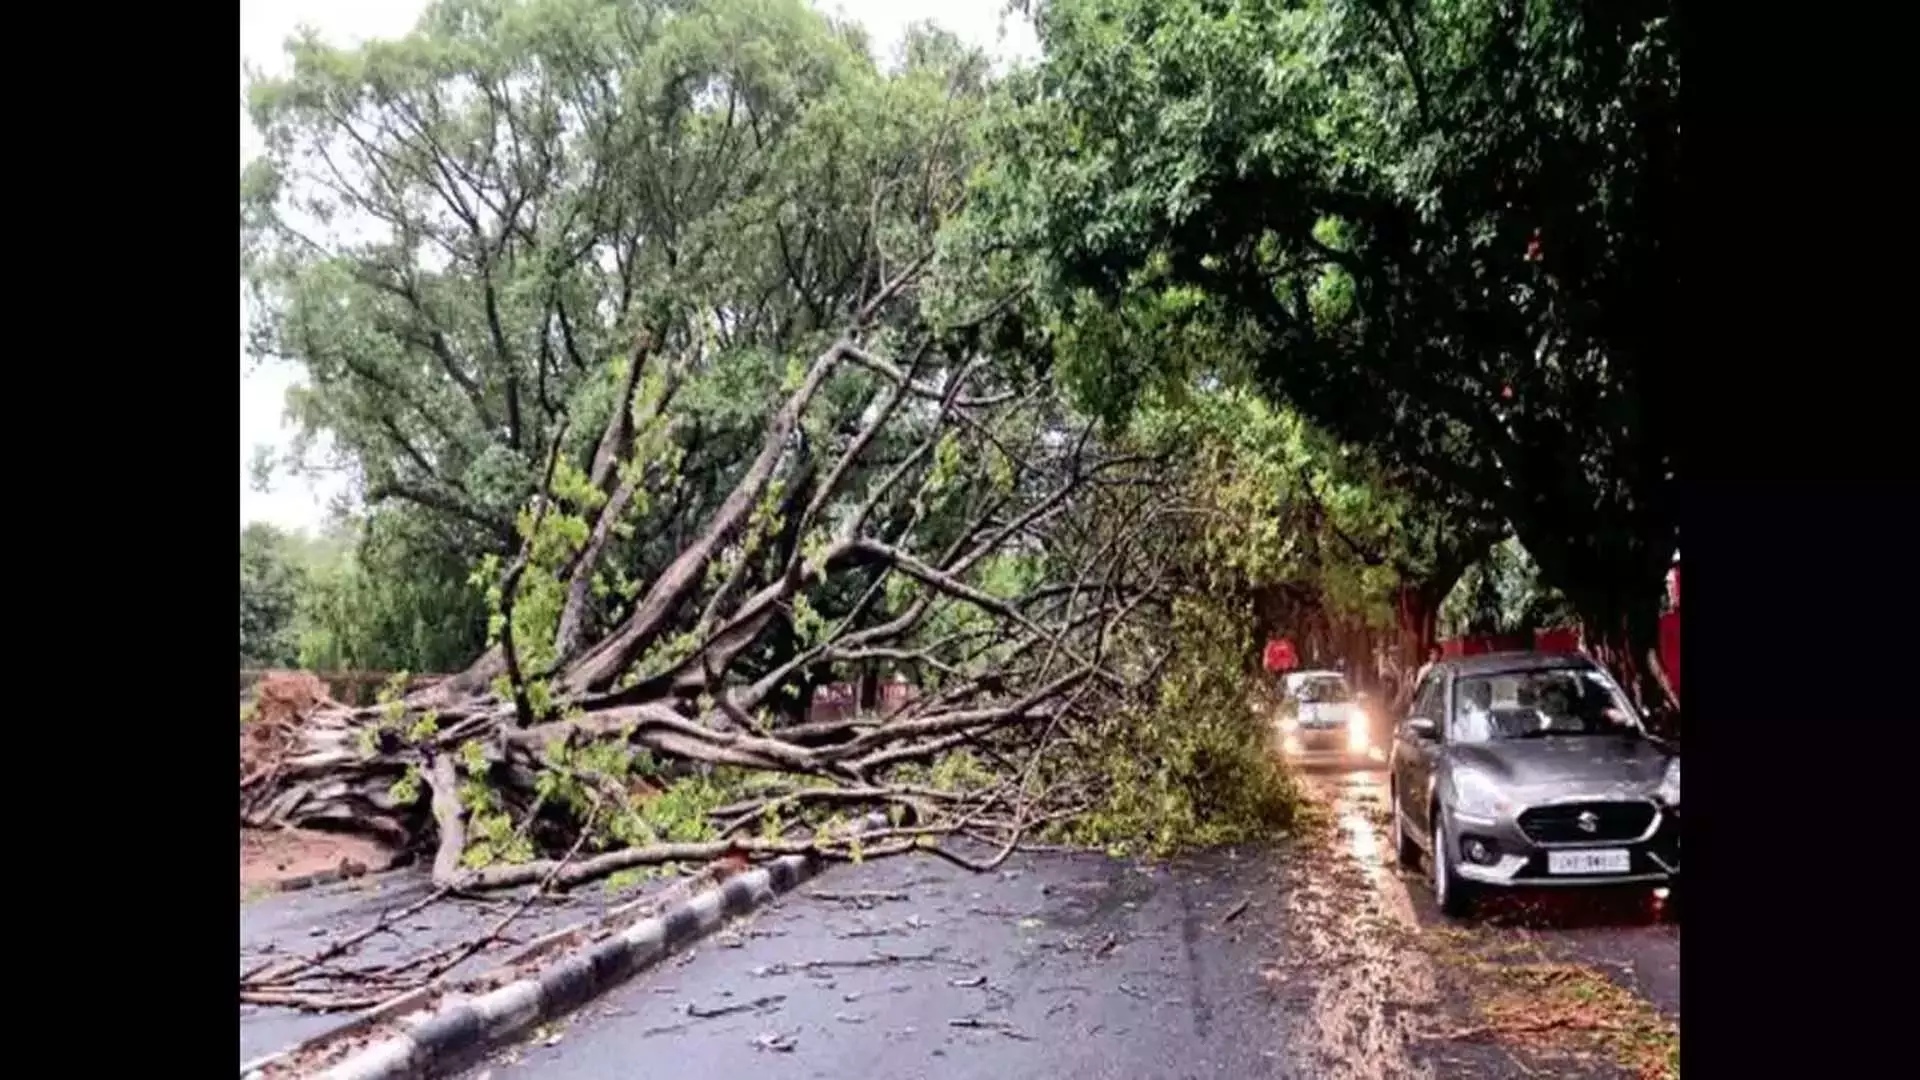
<point x="1404" y="846"/>
<point x="1450" y="891"/>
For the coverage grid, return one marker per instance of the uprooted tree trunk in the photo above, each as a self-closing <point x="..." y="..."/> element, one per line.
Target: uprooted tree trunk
<point x="1000" y="551"/>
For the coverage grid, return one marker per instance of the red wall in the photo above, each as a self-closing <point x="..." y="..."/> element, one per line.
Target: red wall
<point x="1670" y="646"/>
<point x="1567" y="639"/>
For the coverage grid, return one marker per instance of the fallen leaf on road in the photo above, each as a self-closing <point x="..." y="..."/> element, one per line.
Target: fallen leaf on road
<point x="967" y="984"/>
<point x="774" y="1041"/>
<point x="1233" y="912"/>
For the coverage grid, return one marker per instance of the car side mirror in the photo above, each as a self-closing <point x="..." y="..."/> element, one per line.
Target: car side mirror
<point x="1422" y="728"/>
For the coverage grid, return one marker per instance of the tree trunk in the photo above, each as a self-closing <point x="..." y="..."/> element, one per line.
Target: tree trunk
<point x="1417" y="616"/>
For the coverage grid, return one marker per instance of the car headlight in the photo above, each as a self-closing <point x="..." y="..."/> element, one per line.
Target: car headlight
<point x="1669" y="790"/>
<point x="1477" y="796"/>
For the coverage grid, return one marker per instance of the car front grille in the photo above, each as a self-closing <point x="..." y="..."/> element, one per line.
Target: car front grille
<point x="1611" y="822"/>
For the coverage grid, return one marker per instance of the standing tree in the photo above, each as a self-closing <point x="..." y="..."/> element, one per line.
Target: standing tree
<point x="1440" y="228"/>
<point x="269" y="594"/>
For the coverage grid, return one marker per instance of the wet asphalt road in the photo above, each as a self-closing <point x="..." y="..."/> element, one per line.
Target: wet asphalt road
<point x="304" y="922"/>
<point x="1273" y="962"/>
<point x="1065" y="966"/>
<point x="1624" y="934"/>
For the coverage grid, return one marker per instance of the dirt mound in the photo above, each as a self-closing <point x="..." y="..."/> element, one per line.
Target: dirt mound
<point x="281" y="699"/>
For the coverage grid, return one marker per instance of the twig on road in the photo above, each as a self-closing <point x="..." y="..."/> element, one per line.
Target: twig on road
<point x="1000" y="1026"/>
<point x="1524" y="1027"/>
<point x="755" y="1005"/>
<point x="277" y="983"/>
<point x="879" y="959"/>
<point x="276" y="971"/>
<point x="313" y="1002"/>
<point x="862" y="897"/>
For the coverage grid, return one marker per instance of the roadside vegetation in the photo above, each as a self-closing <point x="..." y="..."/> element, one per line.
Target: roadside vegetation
<point x="686" y="359"/>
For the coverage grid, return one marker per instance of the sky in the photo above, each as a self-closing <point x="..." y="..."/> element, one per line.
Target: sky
<point x="266" y="24"/>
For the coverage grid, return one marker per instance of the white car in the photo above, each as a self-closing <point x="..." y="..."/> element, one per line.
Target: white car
<point x="1319" y="712"/>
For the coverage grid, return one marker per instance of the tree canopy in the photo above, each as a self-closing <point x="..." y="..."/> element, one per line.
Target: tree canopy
<point x="686" y="359"/>
<point x="452" y="233"/>
<point x="1436" y="228"/>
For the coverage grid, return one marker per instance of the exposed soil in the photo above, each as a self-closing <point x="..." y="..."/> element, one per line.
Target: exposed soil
<point x="273" y="857"/>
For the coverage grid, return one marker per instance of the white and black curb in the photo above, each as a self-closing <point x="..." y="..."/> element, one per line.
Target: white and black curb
<point x="457" y="1032"/>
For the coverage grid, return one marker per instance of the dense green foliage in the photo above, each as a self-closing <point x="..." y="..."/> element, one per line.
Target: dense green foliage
<point x="365" y="595"/>
<point x="1195" y="765"/>
<point x="467" y="236"/>
<point x="1356" y="289"/>
<point x="1436" y="228"/>
<point x="270" y="585"/>
<point x="1503" y="594"/>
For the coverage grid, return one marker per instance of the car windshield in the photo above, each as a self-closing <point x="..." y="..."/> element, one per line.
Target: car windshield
<point x="1536" y="704"/>
<point x="1326" y="690"/>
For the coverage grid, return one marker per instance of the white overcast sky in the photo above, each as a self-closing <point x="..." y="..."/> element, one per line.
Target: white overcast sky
<point x="266" y="24"/>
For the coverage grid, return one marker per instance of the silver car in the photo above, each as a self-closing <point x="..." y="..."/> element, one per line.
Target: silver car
<point x="1319" y="712"/>
<point x="1525" y="769"/>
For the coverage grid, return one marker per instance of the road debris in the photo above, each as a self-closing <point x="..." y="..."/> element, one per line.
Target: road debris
<point x="756" y="1005"/>
<point x="773" y="1040"/>
<point x="1000" y="1026"/>
<point x="863" y="898"/>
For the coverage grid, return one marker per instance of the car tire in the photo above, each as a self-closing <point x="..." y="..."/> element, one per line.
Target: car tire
<point x="1404" y="846"/>
<point x="1450" y="891"/>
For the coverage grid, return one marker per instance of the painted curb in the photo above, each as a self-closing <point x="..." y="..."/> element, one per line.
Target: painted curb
<point x="463" y="1027"/>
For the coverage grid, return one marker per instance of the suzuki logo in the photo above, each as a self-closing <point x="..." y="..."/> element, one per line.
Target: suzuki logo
<point x="1588" y="821"/>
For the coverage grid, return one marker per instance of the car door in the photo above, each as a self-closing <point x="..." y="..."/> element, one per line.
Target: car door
<point x="1414" y="753"/>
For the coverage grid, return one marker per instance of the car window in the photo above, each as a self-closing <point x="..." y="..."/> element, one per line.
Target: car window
<point x="1553" y="702"/>
<point x="1326" y="690"/>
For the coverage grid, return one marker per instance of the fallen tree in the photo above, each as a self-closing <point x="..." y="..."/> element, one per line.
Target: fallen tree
<point x="990" y="544"/>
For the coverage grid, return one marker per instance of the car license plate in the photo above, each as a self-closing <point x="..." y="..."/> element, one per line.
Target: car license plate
<point x="1607" y="861"/>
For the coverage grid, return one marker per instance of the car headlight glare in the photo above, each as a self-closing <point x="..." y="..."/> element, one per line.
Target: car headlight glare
<point x="1476" y="796"/>
<point x="1669" y="790"/>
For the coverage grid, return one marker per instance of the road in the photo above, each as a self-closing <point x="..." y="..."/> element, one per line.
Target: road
<point x="276" y="928"/>
<point x="1625" y="935"/>
<point x="1297" y="960"/>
